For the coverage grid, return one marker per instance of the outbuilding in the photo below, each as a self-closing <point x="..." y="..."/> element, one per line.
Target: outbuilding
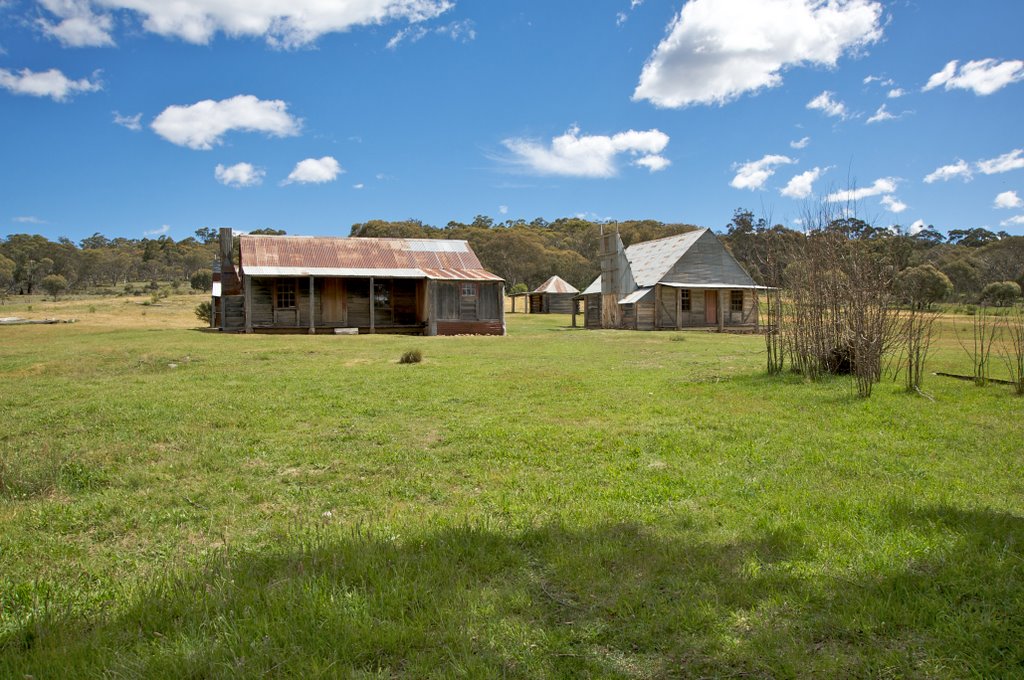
<point x="554" y="296"/>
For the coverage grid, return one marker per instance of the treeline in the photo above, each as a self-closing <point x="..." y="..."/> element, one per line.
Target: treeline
<point x="971" y="259"/>
<point x="526" y="254"/>
<point x="523" y="253"/>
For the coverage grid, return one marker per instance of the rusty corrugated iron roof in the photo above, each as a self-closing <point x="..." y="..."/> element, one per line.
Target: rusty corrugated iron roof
<point x="356" y="256"/>
<point x="556" y="284"/>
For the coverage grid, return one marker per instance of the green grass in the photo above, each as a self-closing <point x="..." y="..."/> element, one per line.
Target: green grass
<point x="555" y="503"/>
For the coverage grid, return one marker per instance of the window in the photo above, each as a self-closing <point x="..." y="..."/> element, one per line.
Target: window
<point x="684" y="299"/>
<point x="469" y="290"/>
<point x="381" y="295"/>
<point x="735" y="300"/>
<point x="284" y="295"/>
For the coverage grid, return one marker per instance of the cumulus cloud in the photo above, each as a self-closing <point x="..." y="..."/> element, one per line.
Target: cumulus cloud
<point x="717" y="50"/>
<point x="503" y="209"/>
<point x="753" y="174"/>
<point x="52" y="84"/>
<point x="1015" y="221"/>
<point x="800" y="186"/>
<point x="133" y="123"/>
<point x="359" y="185"/>
<point x="315" y="171"/>
<point x="983" y="77"/>
<point x="203" y="124"/>
<point x="1005" y="163"/>
<point x="884" y="185"/>
<point x="916" y="227"/>
<point x="893" y="204"/>
<point x="576" y="155"/>
<point x="896" y="93"/>
<point x="948" y="172"/>
<point x="79" y="26"/>
<point x="1008" y="199"/>
<point x="829" y="106"/>
<point x="239" y="175"/>
<point x="157" y="232"/>
<point x="282" y="24"/>
<point x="800" y="143"/>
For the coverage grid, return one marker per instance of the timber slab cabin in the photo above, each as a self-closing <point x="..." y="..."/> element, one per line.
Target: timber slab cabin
<point x="684" y="281"/>
<point x="307" y="284"/>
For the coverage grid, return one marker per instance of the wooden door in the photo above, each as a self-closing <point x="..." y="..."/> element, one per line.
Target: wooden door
<point x="711" y="306"/>
<point x="332" y="301"/>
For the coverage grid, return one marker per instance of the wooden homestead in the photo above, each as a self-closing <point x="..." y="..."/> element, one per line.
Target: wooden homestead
<point x="684" y="281"/>
<point x="554" y="296"/>
<point x="365" y="285"/>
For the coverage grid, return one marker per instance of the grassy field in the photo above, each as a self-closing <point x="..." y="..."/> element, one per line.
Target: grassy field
<point x="554" y="503"/>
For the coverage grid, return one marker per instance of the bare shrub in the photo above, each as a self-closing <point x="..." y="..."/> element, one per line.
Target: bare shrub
<point x="916" y="331"/>
<point x="979" y="348"/>
<point x="1012" y="351"/>
<point x="843" y="318"/>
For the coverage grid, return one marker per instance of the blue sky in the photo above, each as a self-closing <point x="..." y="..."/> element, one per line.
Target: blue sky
<point x="141" y="117"/>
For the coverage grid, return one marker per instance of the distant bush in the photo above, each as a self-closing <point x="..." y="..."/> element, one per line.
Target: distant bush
<point x="1000" y="293"/>
<point x="519" y="288"/>
<point x="202" y="312"/>
<point x="413" y="356"/>
<point x="202" y="280"/>
<point x="55" y="284"/>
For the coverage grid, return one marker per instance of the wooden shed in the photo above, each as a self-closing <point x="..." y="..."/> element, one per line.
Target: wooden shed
<point x="368" y="285"/>
<point x="554" y="296"/>
<point x="684" y="281"/>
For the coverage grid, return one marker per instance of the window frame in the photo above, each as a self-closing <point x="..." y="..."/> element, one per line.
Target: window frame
<point x="685" y="300"/>
<point x="735" y="306"/>
<point x="287" y="287"/>
<point x="470" y="286"/>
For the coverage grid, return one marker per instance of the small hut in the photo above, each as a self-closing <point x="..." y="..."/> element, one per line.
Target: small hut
<point x="554" y="296"/>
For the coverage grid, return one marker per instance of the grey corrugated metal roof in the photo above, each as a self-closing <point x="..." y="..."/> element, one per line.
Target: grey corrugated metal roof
<point x="443" y="259"/>
<point x="635" y="296"/>
<point x="556" y="284"/>
<point x="651" y="260"/>
<point x="594" y="287"/>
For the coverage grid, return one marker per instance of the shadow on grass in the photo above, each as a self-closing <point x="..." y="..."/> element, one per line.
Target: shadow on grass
<point x="617" y="600"/>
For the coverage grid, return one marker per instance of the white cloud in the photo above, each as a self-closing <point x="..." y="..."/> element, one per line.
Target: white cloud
<point x="800" y="143"/>
<point x="133" y="123"/>
<point x="827" y="105"/>
<point x="503" y="209"/>
<point x="753" y="174"/>
<point x="621" y="18"/>
<point x="575" y="155"/>
<point x="800" y="186"/>
<point x="79" y="26"/>
<point x="884" y="185"/>
<point x="882" y="114"/>
<point x="29" y="219"/>
<point x="893" y="204"/>
<point x="360" y="185"/>
<point x="948" y="172"/>
<point x="1015" y="221"/>
<point x="315" y="171"/>
<point x="983" y="77"/>
<point x="239" y="175"/>
<point x="717" y="50"/>
<point x="52" y="83"/>
<point x="654" y="163"/>
<point x="460" y="31"/>
<point x="1008" y="199"/>
<point x="916" y="227"/>
<point x="203" y="124"/>
<point x="896" y="93"/>
<point x="1005" y="163"/>
<point x="158" y="232"/>
<point x="282" y="24"/>
<point x="411" y="34"/>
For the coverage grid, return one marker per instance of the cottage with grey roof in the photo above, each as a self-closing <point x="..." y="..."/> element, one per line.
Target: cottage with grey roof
<point x="685" y="281"/>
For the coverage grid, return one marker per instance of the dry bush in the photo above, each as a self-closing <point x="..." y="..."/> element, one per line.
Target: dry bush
<point x="984" y="328"/>
<point x="1012" y="351"/>
<point x="413" y="356"/>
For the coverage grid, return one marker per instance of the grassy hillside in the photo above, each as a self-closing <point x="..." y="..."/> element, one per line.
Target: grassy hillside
<point x="548" y="504"/>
